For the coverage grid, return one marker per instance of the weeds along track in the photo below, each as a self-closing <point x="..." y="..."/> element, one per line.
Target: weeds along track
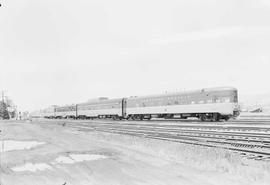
<point x="250" y="141"/>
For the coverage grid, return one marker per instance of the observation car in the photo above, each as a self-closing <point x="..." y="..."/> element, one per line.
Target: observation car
<point x="207" y="104"/>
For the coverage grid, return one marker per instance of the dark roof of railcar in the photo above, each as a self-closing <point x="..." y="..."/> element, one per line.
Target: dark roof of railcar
<point x="215" y="89"/>
<point x="65" y="106"/>
<point x="101" y="101"/>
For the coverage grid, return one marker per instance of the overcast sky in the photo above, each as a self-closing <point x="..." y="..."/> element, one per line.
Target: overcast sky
<point x="63" y="51"/>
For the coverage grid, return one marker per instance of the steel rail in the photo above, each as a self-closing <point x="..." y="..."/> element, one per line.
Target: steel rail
<point x="174" y="135"/>
<point x="248" y="136"/>
<point x="186" y="140"/>
<point x="192" y="135"/>
<point x="198" y="127"/>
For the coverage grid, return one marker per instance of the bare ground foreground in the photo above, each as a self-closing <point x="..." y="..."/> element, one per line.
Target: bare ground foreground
<point x="34" y="153"/>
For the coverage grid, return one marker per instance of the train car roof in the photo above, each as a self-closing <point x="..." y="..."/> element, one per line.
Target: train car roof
<point x="101" y="101"/>
<point x="65" y="106"/>
<point x="214" y="89"/>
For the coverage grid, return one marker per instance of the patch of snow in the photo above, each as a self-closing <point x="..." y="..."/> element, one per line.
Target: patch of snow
<point x="86" y="157"/>
<point x="65" y="160"/>
<point x="73" y="158"/>
<point x="10" y="145"/>
<point x="32" y="167"/>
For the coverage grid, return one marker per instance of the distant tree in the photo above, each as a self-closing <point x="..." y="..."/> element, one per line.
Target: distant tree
<point x="13" y="114"/>
<point x="4" y="114"/>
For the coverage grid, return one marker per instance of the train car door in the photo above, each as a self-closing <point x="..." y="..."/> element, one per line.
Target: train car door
<point x="76" y="110"/>
<point x="124" y="107"/>
<point x="54" y="111"/>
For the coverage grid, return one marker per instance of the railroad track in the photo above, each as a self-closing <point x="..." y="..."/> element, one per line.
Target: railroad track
<point x="251" y="142"/>
<point x="244" y="148"/>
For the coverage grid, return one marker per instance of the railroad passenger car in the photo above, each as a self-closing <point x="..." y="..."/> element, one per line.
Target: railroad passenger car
<point x="37" y="114"/>
<point x="43" y="113"/>
<point x="206" y="104"/>
<point x="48" y="113"/>
<point x="69" y="111"/>
<point x="111" y="108"/>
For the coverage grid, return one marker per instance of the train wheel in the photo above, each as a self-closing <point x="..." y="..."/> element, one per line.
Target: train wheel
<point x="216" y="117"/>
<point x="202" y="117"/>
<point x="226" y="118"/>
<point x="130" y="117"/>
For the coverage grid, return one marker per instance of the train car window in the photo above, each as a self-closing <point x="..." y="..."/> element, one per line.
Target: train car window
<point x="226" y="100"/>
<point x="210" y="101"/>
<point x="201" y="101"/>
<point x="235" y="99"/>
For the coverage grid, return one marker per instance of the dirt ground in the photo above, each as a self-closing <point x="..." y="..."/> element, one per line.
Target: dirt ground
<point x="60" y="155"/>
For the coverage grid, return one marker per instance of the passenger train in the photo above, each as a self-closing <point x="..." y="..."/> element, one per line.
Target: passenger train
<point x="209" y="104"/>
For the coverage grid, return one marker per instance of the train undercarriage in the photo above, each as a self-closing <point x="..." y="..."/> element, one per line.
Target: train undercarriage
<point x="201" y="116"/>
